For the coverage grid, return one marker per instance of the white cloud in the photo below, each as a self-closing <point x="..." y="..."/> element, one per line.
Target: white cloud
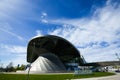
<point x="11" y="33"/>
<point x="8" y="8"/>
<point x="16" y="59"/>
<point x="44" y="21"/>
<point x="19" y="60"/>
<point x="95" y="53"/>
<point x="16" y="11"/>
<point x="43" y="14"/>
<point x="43" y="17"/>
<point x="38" y="34"/>
<point x="11" y="11"/>
<point x="103" y="26"/>
<point x="13" y="48"/>
<point x="12" y="53"/>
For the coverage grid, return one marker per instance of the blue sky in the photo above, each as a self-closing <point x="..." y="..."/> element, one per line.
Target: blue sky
<point x="92" y="26"/>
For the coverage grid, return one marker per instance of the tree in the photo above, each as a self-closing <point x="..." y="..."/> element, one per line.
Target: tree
<point x="22" y="67"/>
<point x="1" y="66"/>
<point x="10" y="67"/>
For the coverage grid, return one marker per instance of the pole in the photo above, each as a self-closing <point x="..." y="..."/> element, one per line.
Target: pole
<point x="28" y="76"/>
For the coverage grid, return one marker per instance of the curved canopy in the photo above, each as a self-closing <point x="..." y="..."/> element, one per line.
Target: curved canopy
<point x="52" y="44"/>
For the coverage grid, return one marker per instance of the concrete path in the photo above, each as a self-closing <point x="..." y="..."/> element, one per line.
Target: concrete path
<point x="114" y="77"/>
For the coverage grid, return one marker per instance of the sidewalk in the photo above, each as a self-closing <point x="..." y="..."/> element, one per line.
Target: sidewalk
<point x="114" y="77"/>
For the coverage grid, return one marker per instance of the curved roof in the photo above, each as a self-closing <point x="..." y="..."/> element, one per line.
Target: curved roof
<point x="51" y="44"/>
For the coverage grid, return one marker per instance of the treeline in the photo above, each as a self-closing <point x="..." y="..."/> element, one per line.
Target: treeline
<point x="11" y="68"/>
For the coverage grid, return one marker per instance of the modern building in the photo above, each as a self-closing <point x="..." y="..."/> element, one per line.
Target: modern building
<point x="52" y="54"/>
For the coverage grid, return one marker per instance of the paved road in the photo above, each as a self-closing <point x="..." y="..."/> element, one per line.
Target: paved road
<point x="114" y="77"/>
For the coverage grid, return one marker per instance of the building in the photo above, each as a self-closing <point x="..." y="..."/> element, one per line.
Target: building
<point x="52" y="54"/>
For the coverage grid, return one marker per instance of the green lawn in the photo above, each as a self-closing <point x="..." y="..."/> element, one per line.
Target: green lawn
<point x="50" y="76"/>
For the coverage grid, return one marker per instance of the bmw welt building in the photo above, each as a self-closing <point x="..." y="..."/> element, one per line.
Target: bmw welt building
<point x="52" y="54"/>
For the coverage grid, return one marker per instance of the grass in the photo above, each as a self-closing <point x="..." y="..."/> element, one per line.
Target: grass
<point x="51" y="76"/>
